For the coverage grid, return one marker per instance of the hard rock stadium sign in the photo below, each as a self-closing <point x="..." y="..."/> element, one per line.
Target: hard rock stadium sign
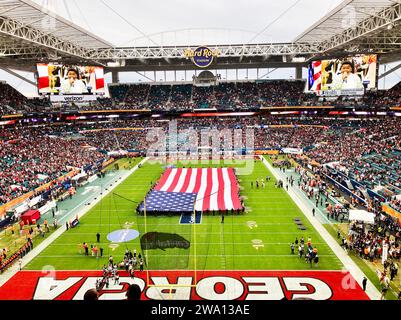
<point x="202" y="57"/>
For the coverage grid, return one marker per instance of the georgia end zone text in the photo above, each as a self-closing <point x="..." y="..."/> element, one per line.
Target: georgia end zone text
<point x="210" y="285"/>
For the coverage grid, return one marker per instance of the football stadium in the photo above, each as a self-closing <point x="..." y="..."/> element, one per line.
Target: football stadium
<point x="169" y="151"/>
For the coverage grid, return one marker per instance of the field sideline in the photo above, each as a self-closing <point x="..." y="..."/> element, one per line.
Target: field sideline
<point x="227" y="246"/>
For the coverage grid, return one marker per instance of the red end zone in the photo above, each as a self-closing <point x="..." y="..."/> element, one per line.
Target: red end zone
<point x="211" y="285"/>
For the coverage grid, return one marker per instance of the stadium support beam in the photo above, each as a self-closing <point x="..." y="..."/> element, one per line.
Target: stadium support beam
<point x="142" y="73"/>
<point x="13" y="73"/>
<point x="385" y="74"/>
<point x="266" y="74"/>
<point x="387" y="17"/>
<point x="298" y="73"/>
<point x="18" y="30"/>
<point x="10" y="9"/>
<point x="237" y="51"/>
<point x="9" y="50"/>
<point x="115" y="77"/>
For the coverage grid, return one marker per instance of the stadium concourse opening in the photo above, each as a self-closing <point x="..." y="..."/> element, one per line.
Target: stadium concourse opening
<point x="252" y="163"/>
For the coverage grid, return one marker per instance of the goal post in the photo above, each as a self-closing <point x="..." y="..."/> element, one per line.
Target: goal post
<point x="165" y="253"/>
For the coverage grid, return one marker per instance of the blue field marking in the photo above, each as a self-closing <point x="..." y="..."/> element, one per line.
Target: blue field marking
<point x="189" y="218"/>
<point x="124" y="235"/>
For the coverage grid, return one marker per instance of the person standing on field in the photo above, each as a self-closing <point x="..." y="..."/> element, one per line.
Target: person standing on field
<point x="364" y="283"/>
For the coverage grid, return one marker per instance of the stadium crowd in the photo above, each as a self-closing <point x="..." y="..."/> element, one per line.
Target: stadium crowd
<point x="226" y="95"/>
<point x="29" y="157"/>
<point x="185" y="97"/>
<point x="369" y="243"/>
<point x="396" y="204"/>
<point x="12" y="101"/>
<point x="364" y="150"/>
<point x="367" y="151"/>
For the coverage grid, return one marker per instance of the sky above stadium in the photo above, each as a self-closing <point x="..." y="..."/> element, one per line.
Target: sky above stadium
<point x="183" y="22"/>
<point x="174" y="22"/>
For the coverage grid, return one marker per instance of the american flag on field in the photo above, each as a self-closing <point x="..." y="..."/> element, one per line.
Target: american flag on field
<point x="315" y="76"/>
<point x="163" y="201"/>
<point x="216" y="189"/>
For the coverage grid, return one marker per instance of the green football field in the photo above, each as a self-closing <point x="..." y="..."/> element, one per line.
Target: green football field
<point x="258" y="239"/>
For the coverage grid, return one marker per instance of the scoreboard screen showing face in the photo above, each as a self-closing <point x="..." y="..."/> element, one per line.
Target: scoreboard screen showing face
<point x="345" y="76"/>
<point x="58" y="79"/>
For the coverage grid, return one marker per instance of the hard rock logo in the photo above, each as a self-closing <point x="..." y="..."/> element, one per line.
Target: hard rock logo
<point x="202" y="57"/>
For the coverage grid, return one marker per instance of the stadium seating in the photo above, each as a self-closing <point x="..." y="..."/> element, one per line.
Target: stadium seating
<point x="181" y="97"/>
<point x="12" y="101"/>
<point x="159" y="96"/>
<point x="184" y="97"/>
<point x="203" y="97"/>
<point x="363" y="151"/>
<point x="32" y="157"/>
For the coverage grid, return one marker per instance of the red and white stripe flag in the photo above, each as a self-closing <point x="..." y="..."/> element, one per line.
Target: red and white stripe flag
<point x="317" y="75"/>
<point x="99" y="76"/>
<point x="43" y="77"/>
<point x="216" y="188"/>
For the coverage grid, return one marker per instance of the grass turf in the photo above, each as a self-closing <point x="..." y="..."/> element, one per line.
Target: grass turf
<point x="227" y="246"/>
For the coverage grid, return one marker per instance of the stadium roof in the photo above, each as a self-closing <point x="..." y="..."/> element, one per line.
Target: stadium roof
<point x="346" y="15"/>
<point x="368" y="26"/>
<point x="29" y="33"/>
<point x="38" y="17"/>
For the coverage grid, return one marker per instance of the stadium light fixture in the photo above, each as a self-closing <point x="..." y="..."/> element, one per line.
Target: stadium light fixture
<point x="265" y="57"/>
<point x="298" y="59"/>
<point x="113" y="64"/>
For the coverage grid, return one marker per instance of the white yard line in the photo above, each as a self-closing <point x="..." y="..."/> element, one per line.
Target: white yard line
<point x="349" y="265"/>
<point x="256" y="255"/>
<point x="222" y="248"/>
<point x="208" y="270"/>
<point x="203" y="243"/>
<point x="206" y="235"/>
<point x="174" y="224"/>
<point x="10" y="272"/>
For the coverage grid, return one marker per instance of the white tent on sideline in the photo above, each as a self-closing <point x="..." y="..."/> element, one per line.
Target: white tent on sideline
<point x="362" y="215"/>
